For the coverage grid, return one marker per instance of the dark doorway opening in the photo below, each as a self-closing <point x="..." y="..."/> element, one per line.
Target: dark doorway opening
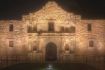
<point x="51" y="52"/>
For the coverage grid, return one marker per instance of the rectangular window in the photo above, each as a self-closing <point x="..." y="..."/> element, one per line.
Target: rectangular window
<point x="89" y="27"/>
<point x="34" y="29"/>
<point x="35" y="48"/>
<point x="51" y="27"/>
<point x="62" y="29"/>
<point x="91" y="43"/>
<point x="11" y="27"/>
<point x="11" y="44"/>
<point x="29" y="29"/>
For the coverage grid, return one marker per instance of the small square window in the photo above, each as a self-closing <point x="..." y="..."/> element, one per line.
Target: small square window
<point x="11" y="44"/>
<point x="35" y="48"/>
<point x="67" y="47"/>
<point x="91" y="43"/>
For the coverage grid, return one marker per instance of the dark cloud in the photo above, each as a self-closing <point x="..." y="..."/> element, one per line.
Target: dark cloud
<point x="89" y="9"/>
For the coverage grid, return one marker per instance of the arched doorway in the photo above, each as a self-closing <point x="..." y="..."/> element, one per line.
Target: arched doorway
<point x="51" y="52"/>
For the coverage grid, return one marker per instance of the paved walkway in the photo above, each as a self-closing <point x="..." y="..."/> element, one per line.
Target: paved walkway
<point x="28" y="66"/>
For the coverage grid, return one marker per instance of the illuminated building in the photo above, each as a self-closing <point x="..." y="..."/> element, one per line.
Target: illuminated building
<point x="52" y="34"/>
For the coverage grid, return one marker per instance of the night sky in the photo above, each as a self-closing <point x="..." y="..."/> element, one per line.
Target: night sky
<point x="89" y="9"/>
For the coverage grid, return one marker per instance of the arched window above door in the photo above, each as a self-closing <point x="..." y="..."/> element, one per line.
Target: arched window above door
<point x="51" y="27"/>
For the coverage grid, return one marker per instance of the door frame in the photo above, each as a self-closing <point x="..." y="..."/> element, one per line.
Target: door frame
<point x="48" y="48"/>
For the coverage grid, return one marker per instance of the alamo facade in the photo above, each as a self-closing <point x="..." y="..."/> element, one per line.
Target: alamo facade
<point x="52" y="34"/>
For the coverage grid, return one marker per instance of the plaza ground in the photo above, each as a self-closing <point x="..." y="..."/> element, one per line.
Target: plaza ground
<point x="55" y="66"/>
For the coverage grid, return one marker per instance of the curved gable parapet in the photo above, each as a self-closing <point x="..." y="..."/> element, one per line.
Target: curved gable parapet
<point x="51" y="11"/>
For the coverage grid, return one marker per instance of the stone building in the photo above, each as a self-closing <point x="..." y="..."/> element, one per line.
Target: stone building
<point x="52" y="34"/>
